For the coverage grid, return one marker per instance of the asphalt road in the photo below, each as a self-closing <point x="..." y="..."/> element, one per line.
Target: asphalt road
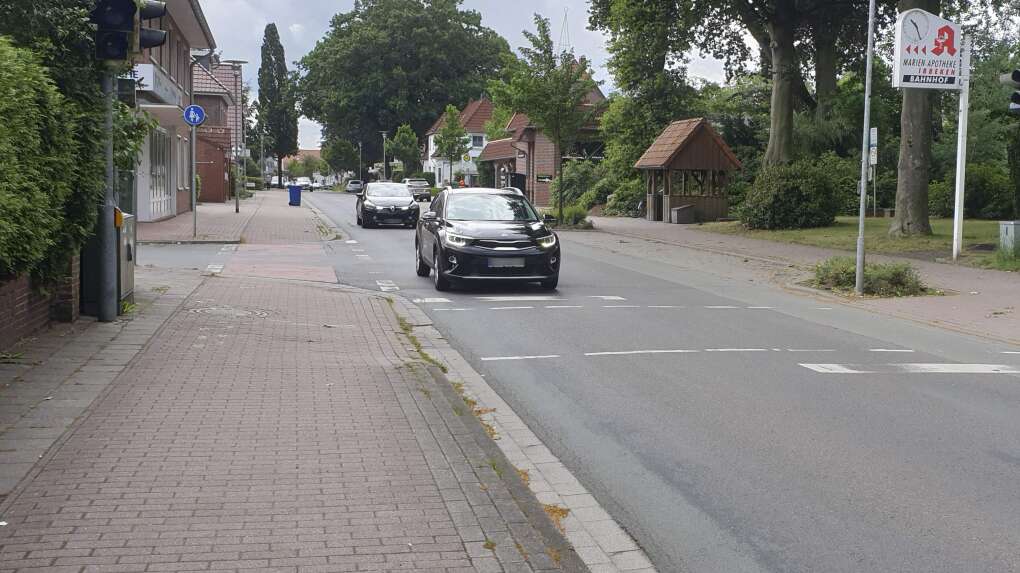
<point x="730" y="426"/>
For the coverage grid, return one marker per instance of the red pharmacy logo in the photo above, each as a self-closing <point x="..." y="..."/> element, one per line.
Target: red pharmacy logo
<point x="945" y="41"/>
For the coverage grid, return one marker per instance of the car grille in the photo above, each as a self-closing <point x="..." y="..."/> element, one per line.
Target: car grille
<point x="502" y="245"/>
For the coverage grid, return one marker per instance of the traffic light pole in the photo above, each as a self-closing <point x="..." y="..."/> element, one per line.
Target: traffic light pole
<point x="105" y="231"/>
<point x="859" y="277"/>
<point x="961" y="148"/>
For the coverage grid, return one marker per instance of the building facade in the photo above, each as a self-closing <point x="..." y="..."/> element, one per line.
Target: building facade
<point x="473" y="118"/>
<point x="527" y="159"/>
<point x="162" y="182"/>
<point x="213" y="147"/>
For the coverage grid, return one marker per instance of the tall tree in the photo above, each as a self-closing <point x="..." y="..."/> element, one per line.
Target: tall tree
<point x="552" y="89"/>
<point x="277" y="99"/>
<point x="404" y="147"/>
<point x="911" y="217"/>
<point x="451" y="139"/>
<point x="390" y="62"/>
<point x="341" y="155"/>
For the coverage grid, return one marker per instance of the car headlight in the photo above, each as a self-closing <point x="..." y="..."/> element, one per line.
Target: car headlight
<point x="547" y="242"/>
<point x="369" y="204"/>
<point x="413" y="206"/>
<point x="457" y="240"/>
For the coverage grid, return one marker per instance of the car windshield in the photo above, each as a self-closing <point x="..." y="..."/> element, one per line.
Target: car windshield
<point x="488" y="207"/>
<point x="417" y="181"/>
<point x="390" y="190"/>
<point x="354" y="182"/>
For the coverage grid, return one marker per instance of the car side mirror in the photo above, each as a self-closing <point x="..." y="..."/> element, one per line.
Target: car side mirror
<point x="549" y="219"/>
<point x="428" y="216"/>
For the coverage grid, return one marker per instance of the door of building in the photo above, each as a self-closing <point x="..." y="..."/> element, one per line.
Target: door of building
<point x="161" y="191"/>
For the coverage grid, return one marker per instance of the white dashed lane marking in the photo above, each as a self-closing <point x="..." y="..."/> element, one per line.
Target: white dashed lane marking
<point x="607" y="297"/>
<point x="351" y="242"/>
<point x="890" y="350"/>
<point x="620" y="306"/>
<point x="387" y="285"/>
<point x="430" y="300"/>
<point x="916" y="368"/>
<point x="564" y="306"/>
<point x="535" y="357"/>
<point x="509" y="307"/>
<point x="516" y="298"/>
<point x="631" y="352"/>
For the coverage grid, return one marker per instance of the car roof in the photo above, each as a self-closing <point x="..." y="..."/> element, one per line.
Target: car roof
<point x="481" y="191"/>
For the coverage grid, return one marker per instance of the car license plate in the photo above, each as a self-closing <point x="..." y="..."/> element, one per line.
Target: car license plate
<point x="393" y="221"/>
<point x="506" y="263"/>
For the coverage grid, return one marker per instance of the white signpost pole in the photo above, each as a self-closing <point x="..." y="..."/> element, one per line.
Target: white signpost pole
<point x="961" y="148"/>
<point x="859" y="278"/>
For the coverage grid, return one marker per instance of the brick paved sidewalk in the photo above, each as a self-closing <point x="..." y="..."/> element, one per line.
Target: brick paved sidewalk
<point x="274" y="425"/>
<point x="217" y="223"/>
<point x="979" y="301"/>
<point x="276" y="222"/>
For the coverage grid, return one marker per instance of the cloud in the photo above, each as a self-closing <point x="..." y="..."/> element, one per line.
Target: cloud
<point x="296" y="29"/>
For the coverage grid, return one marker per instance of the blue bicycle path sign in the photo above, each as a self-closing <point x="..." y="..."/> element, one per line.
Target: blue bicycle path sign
<point x="194" y="115"/>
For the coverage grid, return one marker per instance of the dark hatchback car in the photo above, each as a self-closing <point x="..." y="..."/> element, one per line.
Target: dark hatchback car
<point x="385" y="203"/>
<point x="478" y="234"/>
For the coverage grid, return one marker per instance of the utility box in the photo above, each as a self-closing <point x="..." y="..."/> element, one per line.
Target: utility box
<point x="1008" y="242"/>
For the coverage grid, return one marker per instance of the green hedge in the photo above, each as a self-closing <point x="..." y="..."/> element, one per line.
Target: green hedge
<point x="880" y="279"/>
<point x="35" y="148"/>
<point x="795" y="196"/>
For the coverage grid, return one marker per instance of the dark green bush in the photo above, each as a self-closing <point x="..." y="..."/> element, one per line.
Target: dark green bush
<point x="989" y="192"/>
<point x="940" y="199"/>
<point x="880" y="279"/>
<point x="574" y="215"/>
<point x="845" y="175"/>
<point x="795" y="196"/>
<point x="625" y="197"/>
<point x="577" y="178"/>
<point x="35" y="144"/>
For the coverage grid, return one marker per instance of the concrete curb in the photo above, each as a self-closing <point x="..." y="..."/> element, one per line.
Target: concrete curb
<point x="597" y="538"/>
<point x="192" y="242"/>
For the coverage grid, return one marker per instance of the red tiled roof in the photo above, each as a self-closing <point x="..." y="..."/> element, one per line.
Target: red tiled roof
<point x="301" y="154"/>
<point x="498" y="149"/>
<point x="473" y="117"/>
<point x="674" y="139"/>
<point x="206" y="83"/>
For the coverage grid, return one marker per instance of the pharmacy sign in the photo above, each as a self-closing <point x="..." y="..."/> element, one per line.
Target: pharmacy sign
<point x="928" y="53"/>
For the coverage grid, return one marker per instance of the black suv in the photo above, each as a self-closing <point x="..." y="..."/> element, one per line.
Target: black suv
<point x="385" y="203"/>
<point x="477" y="234"/>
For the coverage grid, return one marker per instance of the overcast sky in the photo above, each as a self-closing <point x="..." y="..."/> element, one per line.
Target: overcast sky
<point x="238" y="26"/>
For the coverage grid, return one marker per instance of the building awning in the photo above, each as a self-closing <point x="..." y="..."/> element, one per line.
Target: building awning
<point x="167" y="115"/>
<point x="498" y="149"/>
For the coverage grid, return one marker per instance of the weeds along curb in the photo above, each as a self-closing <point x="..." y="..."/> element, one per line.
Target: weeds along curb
<point x="537" y="515"/>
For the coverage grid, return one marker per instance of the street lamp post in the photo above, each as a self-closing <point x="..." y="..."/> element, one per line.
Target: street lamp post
<point x="360" y="178"/>
<point x="383" y="155"/>
<point x="235" y="66"/>
<point x="859" y="278"/>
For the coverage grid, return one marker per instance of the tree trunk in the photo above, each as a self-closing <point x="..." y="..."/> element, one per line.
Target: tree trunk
<point x="825" y="68"/>
<point x="915" y="152"/>
<point x="279" y="172"/>
<point x="785" y="72"/>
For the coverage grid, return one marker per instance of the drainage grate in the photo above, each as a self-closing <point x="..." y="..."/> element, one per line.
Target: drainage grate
<point x="229" y="311"/>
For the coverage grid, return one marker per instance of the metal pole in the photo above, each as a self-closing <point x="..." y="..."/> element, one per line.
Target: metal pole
<point x="360" y="178"/>
<point x="240" y="160"/>
<point x="383" y="155"/>
<point x="859" y="279"/>
<point x="874" y="192"/>
<point x="105" y="231"/>
<point x="194" y="186"/>
<point x="961" y="149"/>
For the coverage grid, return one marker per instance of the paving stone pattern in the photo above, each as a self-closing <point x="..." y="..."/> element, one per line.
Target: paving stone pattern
<point x="217" y="223"/>
<point x="279" y="223"/>
<point x="50" y="379"/>
<point x="269" y="426"/>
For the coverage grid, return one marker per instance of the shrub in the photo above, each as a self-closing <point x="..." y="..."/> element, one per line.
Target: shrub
<point x="845" y="175"/>
<point x="577" y="177"/>
<point x="880" y="279"/>
<point x="795" y="196"/>
<point x="573" y="215"/>
<point x="625" y="198"/>
<point x="989" y="192"/>
<point x="397" y="175"/>
<point x="259" y="184"/>
<point x="940" y="199"/>
<point x="35" y="144"/>
<point x="588" y="199"/>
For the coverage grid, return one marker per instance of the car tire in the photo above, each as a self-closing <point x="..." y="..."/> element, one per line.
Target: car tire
<point x="438" y="280"/>
<point x="358" y="217"/>
<point x="551" y="284"/>
<point x="421" y="268"/>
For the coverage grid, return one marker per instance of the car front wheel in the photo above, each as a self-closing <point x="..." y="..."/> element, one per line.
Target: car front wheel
<point x="421" y="268"/>
<point x="551" y="283"/>
<point x="438" y="280"/>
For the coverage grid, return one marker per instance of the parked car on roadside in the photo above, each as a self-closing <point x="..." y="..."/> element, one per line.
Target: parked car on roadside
<point x="304" y="182"/>
<point x="478" y="234"/>
<point x="386" y="203"/>
<point x="354" y="186"/>
<point x="420" y="188"/>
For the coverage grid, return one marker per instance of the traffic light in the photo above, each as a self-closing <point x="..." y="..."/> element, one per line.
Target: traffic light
<point x="119" y="31"/>
<point x="148" y="37"/>
<point x="115" y="23"/>
<point x="1012" y="80"/>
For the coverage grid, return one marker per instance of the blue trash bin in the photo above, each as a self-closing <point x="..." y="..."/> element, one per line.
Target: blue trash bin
<point x="295" y="195"/>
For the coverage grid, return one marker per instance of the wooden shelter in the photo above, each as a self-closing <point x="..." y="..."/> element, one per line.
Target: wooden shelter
<point x="686" y="170"/>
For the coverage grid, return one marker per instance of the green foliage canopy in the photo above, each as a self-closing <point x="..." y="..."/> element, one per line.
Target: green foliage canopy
<point x="387" y="63"/>
<point x="404" y="146"/>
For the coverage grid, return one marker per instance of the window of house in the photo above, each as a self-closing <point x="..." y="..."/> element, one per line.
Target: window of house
<point x="477" y="141"/>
